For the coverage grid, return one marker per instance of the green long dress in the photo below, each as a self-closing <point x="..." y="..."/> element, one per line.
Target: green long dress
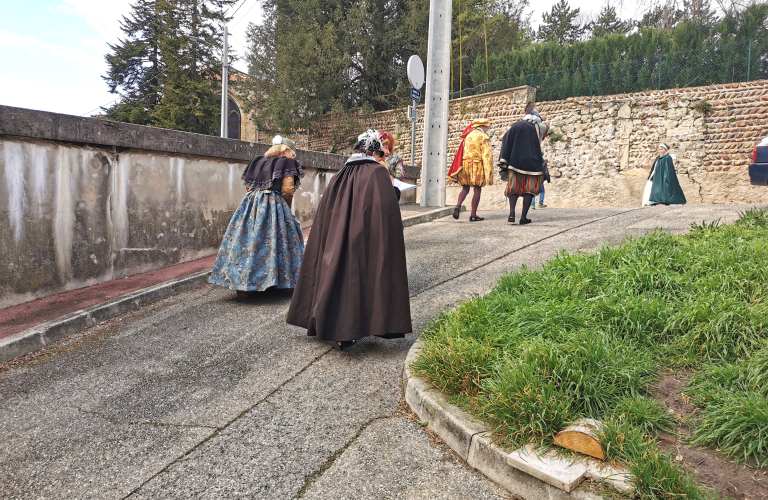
<point x="666" y="188"/>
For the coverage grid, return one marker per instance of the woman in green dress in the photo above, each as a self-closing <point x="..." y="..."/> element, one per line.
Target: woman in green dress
<point x="663" y="187"/>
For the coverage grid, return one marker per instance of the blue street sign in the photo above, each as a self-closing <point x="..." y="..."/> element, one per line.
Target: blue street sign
<point x="415" y="94"/>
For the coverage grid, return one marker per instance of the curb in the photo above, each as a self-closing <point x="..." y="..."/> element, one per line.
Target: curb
<point x="37" y="337"/>
<point x="429" y="216"/>
<point x="532" y="476"/>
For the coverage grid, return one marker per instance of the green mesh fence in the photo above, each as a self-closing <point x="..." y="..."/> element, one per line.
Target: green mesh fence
<point x="733" y="61"/>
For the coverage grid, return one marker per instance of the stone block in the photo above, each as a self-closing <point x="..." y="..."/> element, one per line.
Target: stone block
<point x="415" y="390"/>
<point x="454" y="426"/>
<point x="620" y="479"/>
<point x="492" y="461"/>
<point x="561" y="472"/>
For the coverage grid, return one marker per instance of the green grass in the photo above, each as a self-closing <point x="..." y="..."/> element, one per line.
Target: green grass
<point x="734" y="408"/>
<point x="656" y="475"/>
<point x="586" y="335"/>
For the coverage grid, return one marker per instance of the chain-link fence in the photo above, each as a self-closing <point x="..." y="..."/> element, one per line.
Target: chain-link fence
<point x="733" y="61"/>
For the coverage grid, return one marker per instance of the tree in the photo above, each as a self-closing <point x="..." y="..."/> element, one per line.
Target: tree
<point x="163" y="77"/>
<point x="310" y="57"/>
<point x="134" y="65"/>
<point x="561" y="25"/>
<point x="691" y="52"/>
<point x="484" y="25"/>
<point x="609" y="23"/>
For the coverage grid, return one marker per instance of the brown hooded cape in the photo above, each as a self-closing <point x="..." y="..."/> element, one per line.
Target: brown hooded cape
<point x="353" y="280"/>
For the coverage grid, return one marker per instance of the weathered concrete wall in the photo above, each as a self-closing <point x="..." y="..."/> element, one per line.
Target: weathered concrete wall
<point x="83" y="201"/>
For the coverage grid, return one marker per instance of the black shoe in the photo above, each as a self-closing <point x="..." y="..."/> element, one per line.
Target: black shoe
<point x="525" y="221"/>
<point x="474" y="218"/>
<point x="340" y="345"/>
<point x="510" y="219"/>
<point x="456" y="211"/>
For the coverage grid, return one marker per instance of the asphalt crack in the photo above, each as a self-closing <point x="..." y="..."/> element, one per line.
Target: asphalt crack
<point x="312" y="478"/>
<point x="503" y="256"/>
<point x="115" y="421"/>
<point x="219" y="430"/>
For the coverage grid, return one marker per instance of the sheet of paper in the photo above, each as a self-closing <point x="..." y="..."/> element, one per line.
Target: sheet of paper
<point x="404" y="186"/>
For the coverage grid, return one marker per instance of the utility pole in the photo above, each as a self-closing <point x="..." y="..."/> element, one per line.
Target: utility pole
<point x="435" y="154"/>
<point x="225" y="86"/>
<point x="224" y="82"/>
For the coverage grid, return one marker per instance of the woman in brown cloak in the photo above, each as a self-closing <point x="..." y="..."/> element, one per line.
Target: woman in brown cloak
<point x="353" y="281"/>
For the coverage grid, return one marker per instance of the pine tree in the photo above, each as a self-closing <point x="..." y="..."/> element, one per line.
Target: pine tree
<point x="561" y="25"/>
<point x="662" y="17"/>
<point x="609" y="23"/>
<point x="163" y="77"/>
<point x="134" y="65"/>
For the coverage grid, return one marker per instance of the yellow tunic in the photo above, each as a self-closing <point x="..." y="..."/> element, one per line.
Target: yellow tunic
<point x="476" y="165"/>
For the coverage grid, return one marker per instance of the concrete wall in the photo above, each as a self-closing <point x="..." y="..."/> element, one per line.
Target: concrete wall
<point x="83" y="201"/>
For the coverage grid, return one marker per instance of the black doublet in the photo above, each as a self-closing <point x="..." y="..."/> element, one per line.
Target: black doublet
<point x="521" y="150"/>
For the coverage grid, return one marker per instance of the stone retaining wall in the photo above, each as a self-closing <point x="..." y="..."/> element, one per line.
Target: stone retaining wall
<point x="608" y="143"/>
<point x="337" y="132"/>
<point x="603" y="147"/>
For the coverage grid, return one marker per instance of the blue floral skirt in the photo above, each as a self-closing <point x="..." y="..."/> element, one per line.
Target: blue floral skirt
<point x="262" y="247"/>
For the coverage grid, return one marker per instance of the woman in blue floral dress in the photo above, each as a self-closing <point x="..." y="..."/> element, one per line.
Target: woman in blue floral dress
<point x="263" y="245"/>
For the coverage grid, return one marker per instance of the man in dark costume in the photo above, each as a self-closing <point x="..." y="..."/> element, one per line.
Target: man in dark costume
<point x="521" y="163"/>
<point x="353" y="281"/>
<point x="662" y="187"/>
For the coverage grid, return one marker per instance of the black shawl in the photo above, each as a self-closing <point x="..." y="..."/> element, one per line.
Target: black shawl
<point x="521" y="150"/>
<point x="263" y="171"/>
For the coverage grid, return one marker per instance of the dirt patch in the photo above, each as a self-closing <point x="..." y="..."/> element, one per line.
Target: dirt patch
<point x="712" y="469"/>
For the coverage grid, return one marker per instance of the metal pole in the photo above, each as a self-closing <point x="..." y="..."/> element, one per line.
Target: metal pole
<point x="660" y="56"/>
<point x="749" y="59"/>
<point x="413" y="136"/>
<point x="592" y="82"/>
<point x="434" y="158"/>
<point x="225" y="86"/>
<point x="531" y="80"/>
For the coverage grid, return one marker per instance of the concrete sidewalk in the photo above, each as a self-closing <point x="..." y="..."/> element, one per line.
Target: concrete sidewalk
<point x="206" y="395"/>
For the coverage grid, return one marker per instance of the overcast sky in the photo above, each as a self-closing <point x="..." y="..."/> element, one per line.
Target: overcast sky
<point x="52" y="51"/>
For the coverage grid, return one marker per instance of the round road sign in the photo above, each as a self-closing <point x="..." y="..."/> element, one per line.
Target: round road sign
<point x="416" y="72"/>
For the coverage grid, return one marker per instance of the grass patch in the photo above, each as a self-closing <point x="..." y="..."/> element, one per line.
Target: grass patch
<point x="656" y="475"/>
<point x="733" y="403"/>
<point x="586" y="335"/>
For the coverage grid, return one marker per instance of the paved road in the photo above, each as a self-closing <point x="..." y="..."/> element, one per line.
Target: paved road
<point x="205" y="395"/>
